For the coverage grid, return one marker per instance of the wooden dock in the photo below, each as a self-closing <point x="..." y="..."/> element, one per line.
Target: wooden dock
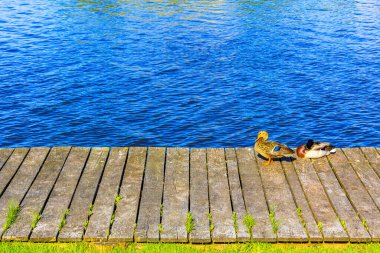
<point x="148" y="195"/>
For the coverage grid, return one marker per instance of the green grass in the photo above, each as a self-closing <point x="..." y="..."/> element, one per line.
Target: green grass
<point x="85" y="224"/>
<point x="134" y="230"/>
<point x="160" y="229"/>
<point x="88" y="216"/>
<point x="236" y="227"/>
<point x="343" y="222"/>
<point x="117" y="199"/>
<point x="90" y="211"/>
<point x="275" y="223"/>
<point x="320" y="226"/>
<point x="364" y="222"/>
<point x="12" y="211"/>
<point x="8" y="247"/>
<point x="161" y="209"/>
<point x="112" y="218"/>
<point x="249" y="222"/>
<point x="63" y="220"/>
<point x="189" y="224"/>
<point x="300" y="215"/>
<point x="36" y="217"/>
<point x="211" y="225"/>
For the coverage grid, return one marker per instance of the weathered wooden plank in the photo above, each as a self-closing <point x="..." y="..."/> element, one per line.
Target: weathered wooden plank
<point x="373" y="157"/>
<point x="365" y="172"/>
<point x="84" y="195"/>
<point x="339" y="200"/>
<point x="22" y="181"/>
<point x="319" y="202"/>
<point x="300" y="199"/>
<point x="220" y="201"/>
<point x="254" y="197"/>
<point x="5" y="153"/>
<point x="147" y="229"/>
<point x="59" y="200"/>
<point x="356" y="192"/>
<point x="37" y="195"/>
<point x="199" y="201"/>
<point x="236" y="193"/>
<point x="130" y="191"/>
<point x="99" y="223"/>
<point x="176" y="195"/>
<point x="280" y="200"/>
<point x="11" y="167"/>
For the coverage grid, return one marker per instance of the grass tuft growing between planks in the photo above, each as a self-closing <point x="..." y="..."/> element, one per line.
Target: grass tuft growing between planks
<point x="88" y="216"/>
<point x="189" y="224"/>
<point x="300" y="215"/>
<point x="8" y="247"/>
<point x="160" y="229"/>
<point x="36" y="217"/>
<point x="210" y="222"/>
<point x="320" y="227"/>
<point x="364" y="222"/>
<point x="117" y="199"/>
<point x="343" y="222"/>
<point x="275" y="223"/>
<point x="12" y="211"/>
<point x="63" y="220"/>
<point x="249" y="222"/>
<point x="161" y="209"/>
<point x="236" y="227"/>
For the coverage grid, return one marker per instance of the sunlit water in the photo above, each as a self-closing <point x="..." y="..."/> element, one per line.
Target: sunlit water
<point x="189" y="73"/>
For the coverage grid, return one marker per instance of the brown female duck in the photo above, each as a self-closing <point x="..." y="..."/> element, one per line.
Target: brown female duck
<point x="270" y="149"/>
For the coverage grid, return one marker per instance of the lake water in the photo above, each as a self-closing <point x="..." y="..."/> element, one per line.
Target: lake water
<point x="189" y="73"/>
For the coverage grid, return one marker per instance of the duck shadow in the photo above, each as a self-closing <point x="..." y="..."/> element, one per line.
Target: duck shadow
<point x="283" y="159"/>
<point x="288" y="159"/>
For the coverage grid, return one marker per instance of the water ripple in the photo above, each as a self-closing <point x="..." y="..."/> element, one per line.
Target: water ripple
<point x="189" y="73"/>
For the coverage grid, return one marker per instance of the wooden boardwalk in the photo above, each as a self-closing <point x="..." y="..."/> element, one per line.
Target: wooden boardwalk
<point x="143" y="194"/>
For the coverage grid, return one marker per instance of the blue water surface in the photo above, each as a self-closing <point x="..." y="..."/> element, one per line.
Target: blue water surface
<point x="189" y="73"/>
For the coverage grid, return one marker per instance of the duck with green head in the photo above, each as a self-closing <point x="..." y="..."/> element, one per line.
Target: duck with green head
<point x="315" y="149"/>
<point x="270" y="149"/>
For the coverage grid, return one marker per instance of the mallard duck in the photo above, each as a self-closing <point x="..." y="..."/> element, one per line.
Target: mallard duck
<point x="313" y="149"/>
<point x="270" y="149"/>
